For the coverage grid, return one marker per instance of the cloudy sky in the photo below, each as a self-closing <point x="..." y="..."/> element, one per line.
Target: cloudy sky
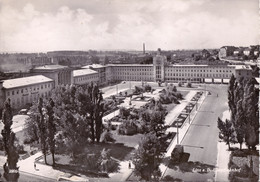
<point x="46" y="25"/>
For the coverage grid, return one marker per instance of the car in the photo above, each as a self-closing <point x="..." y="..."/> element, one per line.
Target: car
<point x="71" y="177"/>
<point x="23" y="111"/>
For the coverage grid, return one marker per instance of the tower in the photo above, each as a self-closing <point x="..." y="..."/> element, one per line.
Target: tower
<point x="143" y="48"/>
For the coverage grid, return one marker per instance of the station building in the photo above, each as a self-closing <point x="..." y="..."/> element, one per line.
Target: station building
<point x="45" y="78"/>
<point x="163" y="71"/>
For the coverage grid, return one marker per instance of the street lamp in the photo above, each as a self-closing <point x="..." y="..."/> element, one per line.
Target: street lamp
<point x="177" y="133"/>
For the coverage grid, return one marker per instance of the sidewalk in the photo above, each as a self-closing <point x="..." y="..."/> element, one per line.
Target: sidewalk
<point x="222" y="170"/>
<point x="27" y="165"/>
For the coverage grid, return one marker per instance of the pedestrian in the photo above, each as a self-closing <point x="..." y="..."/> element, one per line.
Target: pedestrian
<point x="129" y="165"/>
<point x="35" y="166"/>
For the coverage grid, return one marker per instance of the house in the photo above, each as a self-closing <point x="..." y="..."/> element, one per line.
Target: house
<point x="226" y="51"/>
<point x="247" y="51"/>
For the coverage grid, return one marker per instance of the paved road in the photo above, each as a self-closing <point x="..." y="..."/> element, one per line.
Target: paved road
<point x="201" y="139"/>
<point x="25" y="177"/>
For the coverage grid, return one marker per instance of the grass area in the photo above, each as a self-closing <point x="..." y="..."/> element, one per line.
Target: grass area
<point x="169" y="107"/>
<point x="130" y="141"/>
<point x="183" y="93"/>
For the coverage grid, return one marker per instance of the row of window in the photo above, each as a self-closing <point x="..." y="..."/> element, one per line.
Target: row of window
<point x="30" y="89"/>
<point x="86" y="78"/>
<point x="133" y="69"/>
<point x="21" y="101"/>
<point x="133" y="73"/>
<point x="134" y="78"/>
<point x="198" y="75"/>
<point x="195" y="70"/>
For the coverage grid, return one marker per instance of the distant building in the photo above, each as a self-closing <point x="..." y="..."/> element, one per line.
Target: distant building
<point x="243" y="71"/>
<point x="101" y="69"/>
<point x="205" y="53"/>
<point x="226" y="51"/>
<point x="238" y="52"/>
<point x="25" y="90"/>
<point x="85" y="76"/>
<point x="247" y="51"/>
<point x="256" y="52"/>
<point x="62" y="75"/>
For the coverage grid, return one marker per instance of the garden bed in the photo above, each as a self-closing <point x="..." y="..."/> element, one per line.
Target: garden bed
<point x="179" y="121"/>
<point x="142" y="98"/>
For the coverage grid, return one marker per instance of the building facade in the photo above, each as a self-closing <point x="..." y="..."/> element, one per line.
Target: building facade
<point x="22" y="91"/>
<point x="62" y="75"/>
<point x="101" y="72"/>
<point x="85" y="76"/>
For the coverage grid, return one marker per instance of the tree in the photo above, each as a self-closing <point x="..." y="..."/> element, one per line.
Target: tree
<point x="71" y="105"/>
<point x="251" y="112"/>
<point x="231" y="102"/>
<point x="147" y="158"/>
<point x="96" y="111"/>
<point x="239" y="124"/>
<point x="51" y="128"/>
<point x="9" y="145"/>
<point x="226" y="131"/>
<point x="42" y="128"/>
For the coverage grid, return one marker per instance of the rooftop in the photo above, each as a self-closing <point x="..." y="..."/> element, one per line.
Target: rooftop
<point x="243" y="67"/>
<point x="50" y="67"/>
<point x="83" y="72"/>
<point x="94" y="66"/>
<point x="25" y="81"/>
<point x="130" y="65"/>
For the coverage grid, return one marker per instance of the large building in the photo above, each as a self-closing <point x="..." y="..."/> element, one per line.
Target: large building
<point x="162" y="71"/>
<point x="101" y="72"/>
<point x="25" y="90"/>
<point x="62" y="75"/>
<point x="85" y="76"/>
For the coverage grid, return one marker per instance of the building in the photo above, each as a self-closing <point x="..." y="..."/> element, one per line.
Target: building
<point x="243" y="71"/>
<point x="162" y="71"/>
<point x="85" y="76"/>
<point x="25" y="90"/>
<point x="226" y="51"/>
<point x="101" y="72"/>
<point x="62" y="75"/>
<point x="247" y="51"/>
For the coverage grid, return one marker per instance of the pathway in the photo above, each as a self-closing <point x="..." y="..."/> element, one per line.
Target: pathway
<point x="222" y="170"/>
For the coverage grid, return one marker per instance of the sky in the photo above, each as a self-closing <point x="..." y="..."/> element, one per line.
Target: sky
<point x="48" y="25"/>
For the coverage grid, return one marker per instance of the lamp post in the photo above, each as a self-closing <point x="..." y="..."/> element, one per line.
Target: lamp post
<point x="189" y="114"/>
<point x="117" y="89"/>
<point x="178" y="133"/>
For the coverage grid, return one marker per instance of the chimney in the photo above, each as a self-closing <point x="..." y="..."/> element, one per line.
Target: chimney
<point x="143" y="48"/>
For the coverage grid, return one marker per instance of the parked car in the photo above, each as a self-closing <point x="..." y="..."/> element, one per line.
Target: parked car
<point x="23" y="111"/>
<point x="70" y="177"/>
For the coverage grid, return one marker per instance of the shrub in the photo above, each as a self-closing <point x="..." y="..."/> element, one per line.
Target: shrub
<point x="170" y="178"/>
<point x="147" y="88"/>
<point x="20" y="149"/>
<point x="108" y="137"/>
<point x="124" y="113"/>
<point x="177" y="153"/>
<point x="128" y="127"/>
<point x="189" y="84"/>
